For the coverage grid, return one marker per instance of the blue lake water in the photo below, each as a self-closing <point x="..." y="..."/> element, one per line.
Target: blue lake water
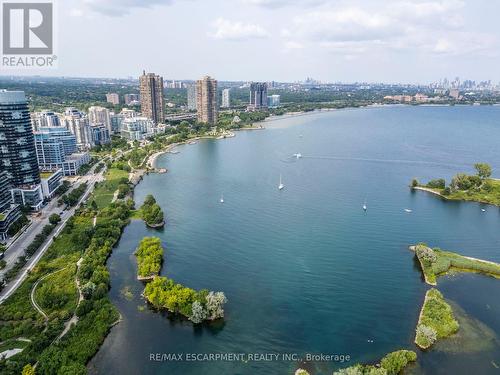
<point x="305" y="270"/>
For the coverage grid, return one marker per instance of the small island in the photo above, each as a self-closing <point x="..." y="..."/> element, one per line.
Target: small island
<point x="152" y="213"/>
<point x="476" y="188"/>
<point x="197" y="306"/>
<point x="149" y="255"/>
<point x="392" y="364"/>
<point x="436" y="320"/>
<point x="437" y="262"/>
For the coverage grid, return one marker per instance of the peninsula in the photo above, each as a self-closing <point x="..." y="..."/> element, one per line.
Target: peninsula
<point x="436" y="320"/>
<point x="436" y="262"/>
<point x="476" y="188"/>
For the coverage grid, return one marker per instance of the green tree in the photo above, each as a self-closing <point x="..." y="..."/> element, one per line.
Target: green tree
<point x="54" y="219"/>
<point x="28" y="370"/>
<point x="437" y="184"/>
<point x="149" y="200"/>
<point x="395" y="362"/>
<point x="483" y="170"/>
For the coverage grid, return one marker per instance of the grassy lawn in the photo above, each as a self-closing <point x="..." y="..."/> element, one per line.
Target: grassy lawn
<point x="436" y="320"/>
<point x="57" y="294"/>
<point x="104" y="192"/>
<point x="437" y="262"/>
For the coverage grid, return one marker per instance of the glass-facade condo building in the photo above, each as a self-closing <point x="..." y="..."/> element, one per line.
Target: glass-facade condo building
<point x="17" y="145"/>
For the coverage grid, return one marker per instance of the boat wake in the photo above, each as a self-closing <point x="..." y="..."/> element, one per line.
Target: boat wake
<point x="391" y="161"/>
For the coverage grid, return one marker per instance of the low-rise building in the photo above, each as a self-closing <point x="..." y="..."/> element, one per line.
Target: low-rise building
<point x="137" y="128"/>
<point x="28" y="195"/>
<point x="74" y="162"/>
<point x="51" y="180"/>
<point x="113" y="98"/>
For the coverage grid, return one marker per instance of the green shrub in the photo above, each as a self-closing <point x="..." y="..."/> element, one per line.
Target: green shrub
<point x="395" y="362"/>
<point x="437" y="184"/>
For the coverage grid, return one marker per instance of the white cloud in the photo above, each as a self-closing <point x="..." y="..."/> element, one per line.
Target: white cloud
<point x="281" y="3"/>
<point x="235" y="30"/>
<point x="76" y="12"/>
<point x="117" y="8"/>
<point x="293" y="45"/>
<point x="425" y="26"/>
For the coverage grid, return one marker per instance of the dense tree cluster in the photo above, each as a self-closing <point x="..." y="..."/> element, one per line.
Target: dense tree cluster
<point x="39" y="240"/>
<point x="392" y="364"/>
<point x="437" y="184"/>
<point x="54" y="219"/>
<point x="17" y="225"/>
<point x="72" y="198"/>
<point x="151" y="212"/>
<point x="149" y="257"/>
<point x="436" y="317"/>
<point x="121" y="165"/>
<point x="198" y="306"/>
<point x="462" y="181"/>
<point x="96" y="312"/>
<point x="63" y="188"/>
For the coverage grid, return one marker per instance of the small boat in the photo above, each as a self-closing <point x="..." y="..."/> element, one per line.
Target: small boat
<point x="281" y="186"/>
<point x="298" y="156"/>
<point x="365" y="207"/>
<point x="408" y="210"/>
<point x="482" y="209"/>
<point x="222" y="198"/>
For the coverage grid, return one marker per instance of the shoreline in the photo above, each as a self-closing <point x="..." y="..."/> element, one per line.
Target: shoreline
<point x="429" y="190"/>
<point x="434" y="192"/>
<point x="426" y="298"/>
<point x="414" y="249"/>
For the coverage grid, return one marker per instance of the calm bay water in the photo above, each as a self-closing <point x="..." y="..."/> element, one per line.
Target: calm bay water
<point x="305" y="269"/>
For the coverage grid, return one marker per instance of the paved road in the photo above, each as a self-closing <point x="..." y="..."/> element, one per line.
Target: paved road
<point x="18" y="247"/>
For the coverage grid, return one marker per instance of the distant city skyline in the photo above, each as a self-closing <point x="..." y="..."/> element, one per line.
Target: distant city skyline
<point x="408" y="41"/>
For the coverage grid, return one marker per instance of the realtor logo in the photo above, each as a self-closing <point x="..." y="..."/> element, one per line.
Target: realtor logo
<point x="28" y="34"/>
<point x="27" y="28"/>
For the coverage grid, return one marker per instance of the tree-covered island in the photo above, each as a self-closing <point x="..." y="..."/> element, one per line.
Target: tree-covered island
<point x="152" y="213"/>
<point x="149" y="256"/>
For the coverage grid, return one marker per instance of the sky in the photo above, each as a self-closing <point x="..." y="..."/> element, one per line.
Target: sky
<point x="408" y="41"/>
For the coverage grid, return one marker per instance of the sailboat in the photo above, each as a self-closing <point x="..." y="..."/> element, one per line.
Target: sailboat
<point x="222" y="198"/>
<point x="281" y="186"/>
